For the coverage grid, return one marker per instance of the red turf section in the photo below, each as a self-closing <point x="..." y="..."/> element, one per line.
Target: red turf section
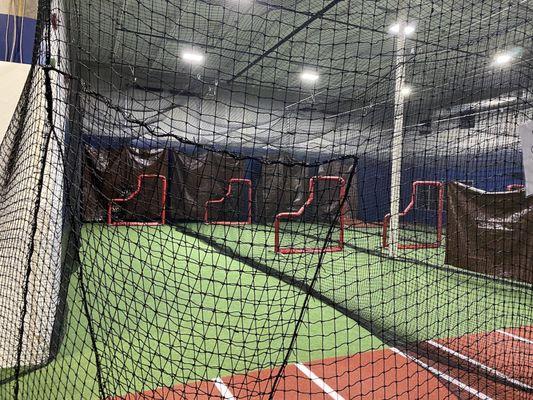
<point x="506" y="355"/>
<point x="509" y="356"/>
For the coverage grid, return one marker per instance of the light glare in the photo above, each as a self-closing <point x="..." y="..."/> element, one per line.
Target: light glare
<point x="309" y="76"/>
<point x="503" y="59"/>
<point x="192" y="57"/>
<point x="406" y="90"/>
<point x="394" y="29"/>
<point x="409" y="30"/>
<point x="406" y="28"/>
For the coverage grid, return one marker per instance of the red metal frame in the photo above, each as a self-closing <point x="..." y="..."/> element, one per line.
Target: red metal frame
<point x="410" y="206"/>
<point x="248" y="183"/>
<point x="140" y="179"/>
<point x="289" y="215"/>
<point x="514" y="186"/>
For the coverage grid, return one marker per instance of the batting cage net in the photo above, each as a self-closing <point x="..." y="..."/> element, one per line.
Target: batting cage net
<point x="264" y="199"/>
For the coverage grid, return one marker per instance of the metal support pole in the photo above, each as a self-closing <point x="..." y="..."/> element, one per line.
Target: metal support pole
<point x="397" y="141"/>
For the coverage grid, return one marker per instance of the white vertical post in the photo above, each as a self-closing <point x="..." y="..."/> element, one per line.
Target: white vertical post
<point x="397" y="140"/>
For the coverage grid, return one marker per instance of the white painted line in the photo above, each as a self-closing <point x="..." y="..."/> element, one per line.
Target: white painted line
<point x="480" y="365"/>
<point x="319" y="382"/>
<point x="522" y="339"/>
<point x="444" y="376"/>
<point x="223" y="389"/>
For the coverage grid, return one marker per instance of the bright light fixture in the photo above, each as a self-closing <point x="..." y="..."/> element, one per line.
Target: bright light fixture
<point x="406" y="90"/>
<point x="409" y="29"/>
<point x="309" y="76"/>
<point x="394" y="29"/>
<point x="406" y="28"/>
<point x="503" y="59"/>
<point x="192" y="57"/>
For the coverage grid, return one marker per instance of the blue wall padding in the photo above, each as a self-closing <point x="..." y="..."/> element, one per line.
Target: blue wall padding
<point x="489" y="171"/>
<point x="107" y="142"/>
<point x="373" y="188"/>
<point x="14" y="26"/>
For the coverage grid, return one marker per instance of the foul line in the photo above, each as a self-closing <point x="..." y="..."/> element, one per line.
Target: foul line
<point x="223" y="389"/>
<point x="319" y="382"/>
<point x="480" y="365"/>
<point x="522" y="339"/>
<point x="444" y="376"/>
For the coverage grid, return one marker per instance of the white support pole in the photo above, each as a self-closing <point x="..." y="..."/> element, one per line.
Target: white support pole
<point x="397" y="141"/>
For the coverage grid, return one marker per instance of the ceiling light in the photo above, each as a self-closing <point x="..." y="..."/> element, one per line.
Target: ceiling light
<point x="192" y="57"/>
<point x="394" y="28"/>
<point x="406" y="28"/>
<point x="406" y="90"/>
<point x="409" y="29"/>
<point x="309" y="76"/>
<point x="503" y="59"/>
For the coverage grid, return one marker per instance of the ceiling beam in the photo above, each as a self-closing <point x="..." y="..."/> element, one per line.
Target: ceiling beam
<point x="288" y="37"/>
<point x="370" y="29"/>
<point x="250" y="53"/>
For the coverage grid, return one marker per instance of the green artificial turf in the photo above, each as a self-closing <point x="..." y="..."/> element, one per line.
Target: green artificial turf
<point x="166" y="309"/>
<point x="409" y="300"/>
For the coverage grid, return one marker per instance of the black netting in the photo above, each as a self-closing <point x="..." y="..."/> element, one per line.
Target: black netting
<point x="264" y="200"/>
<point x="232" y="207"/>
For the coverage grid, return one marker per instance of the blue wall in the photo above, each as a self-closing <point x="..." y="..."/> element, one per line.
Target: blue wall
<point x="16" y="27"/>
<point x="488" y="171"/>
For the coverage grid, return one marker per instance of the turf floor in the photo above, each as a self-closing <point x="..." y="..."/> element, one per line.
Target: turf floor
<point x="411" y="299"/>
<point x="166" y="306"/>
